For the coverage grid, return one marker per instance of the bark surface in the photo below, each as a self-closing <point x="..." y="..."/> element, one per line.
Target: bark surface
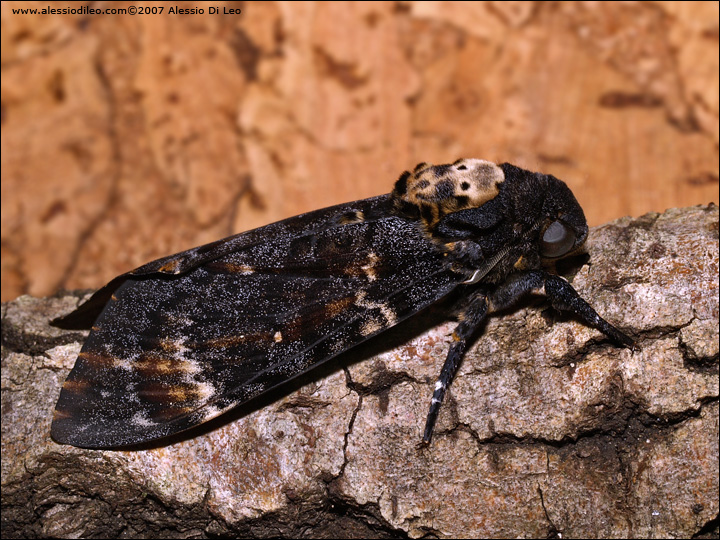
<point x="548" y="429"/>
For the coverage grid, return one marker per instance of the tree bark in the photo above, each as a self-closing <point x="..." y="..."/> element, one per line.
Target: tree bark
<point x="549" y="428"/>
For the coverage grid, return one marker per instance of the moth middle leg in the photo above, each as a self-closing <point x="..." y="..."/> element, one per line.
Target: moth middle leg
<point x="473" y="316"/>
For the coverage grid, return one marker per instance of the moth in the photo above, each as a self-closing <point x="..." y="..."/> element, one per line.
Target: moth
<point x="184" y="338"/>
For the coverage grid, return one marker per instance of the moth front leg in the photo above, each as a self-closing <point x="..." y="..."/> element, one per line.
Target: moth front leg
<point x="565" y="298"/>
<point x="562" y="296"/>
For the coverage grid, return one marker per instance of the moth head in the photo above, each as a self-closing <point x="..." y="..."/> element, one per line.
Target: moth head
<point x="564" y="229"/>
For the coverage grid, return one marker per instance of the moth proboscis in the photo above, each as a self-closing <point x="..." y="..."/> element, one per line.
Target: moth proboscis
<point x="185" y="338"/>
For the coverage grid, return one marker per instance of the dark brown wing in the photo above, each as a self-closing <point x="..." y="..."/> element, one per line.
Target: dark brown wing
<point x="187" y="337"/>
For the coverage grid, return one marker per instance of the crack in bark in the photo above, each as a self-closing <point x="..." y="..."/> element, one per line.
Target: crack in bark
<point x="554" y="532"/>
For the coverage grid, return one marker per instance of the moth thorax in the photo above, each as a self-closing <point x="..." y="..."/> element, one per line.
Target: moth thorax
<point x="430" y="192"/>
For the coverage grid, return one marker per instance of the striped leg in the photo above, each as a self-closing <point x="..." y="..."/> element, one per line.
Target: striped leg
<point x="563" y="298"/>
<point x="472" y="318"/>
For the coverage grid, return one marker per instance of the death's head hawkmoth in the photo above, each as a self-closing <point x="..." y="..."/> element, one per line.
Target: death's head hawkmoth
<point x="182" y="339"/>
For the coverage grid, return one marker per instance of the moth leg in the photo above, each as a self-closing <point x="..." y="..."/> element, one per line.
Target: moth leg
<point x="565" y="298"/>
<point x="473" y="316"/>
<point x="560" y="293"/>
<point x="562" y="296"/>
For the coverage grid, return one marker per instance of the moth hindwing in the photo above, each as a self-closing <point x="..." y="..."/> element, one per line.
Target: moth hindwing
<point x="184" y="338"/>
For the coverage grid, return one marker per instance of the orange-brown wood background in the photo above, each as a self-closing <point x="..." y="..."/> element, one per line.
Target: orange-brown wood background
<point x="128" y="137"/>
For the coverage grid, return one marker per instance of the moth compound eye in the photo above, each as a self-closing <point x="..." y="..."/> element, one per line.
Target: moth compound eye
<point x="557" y="240"/>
